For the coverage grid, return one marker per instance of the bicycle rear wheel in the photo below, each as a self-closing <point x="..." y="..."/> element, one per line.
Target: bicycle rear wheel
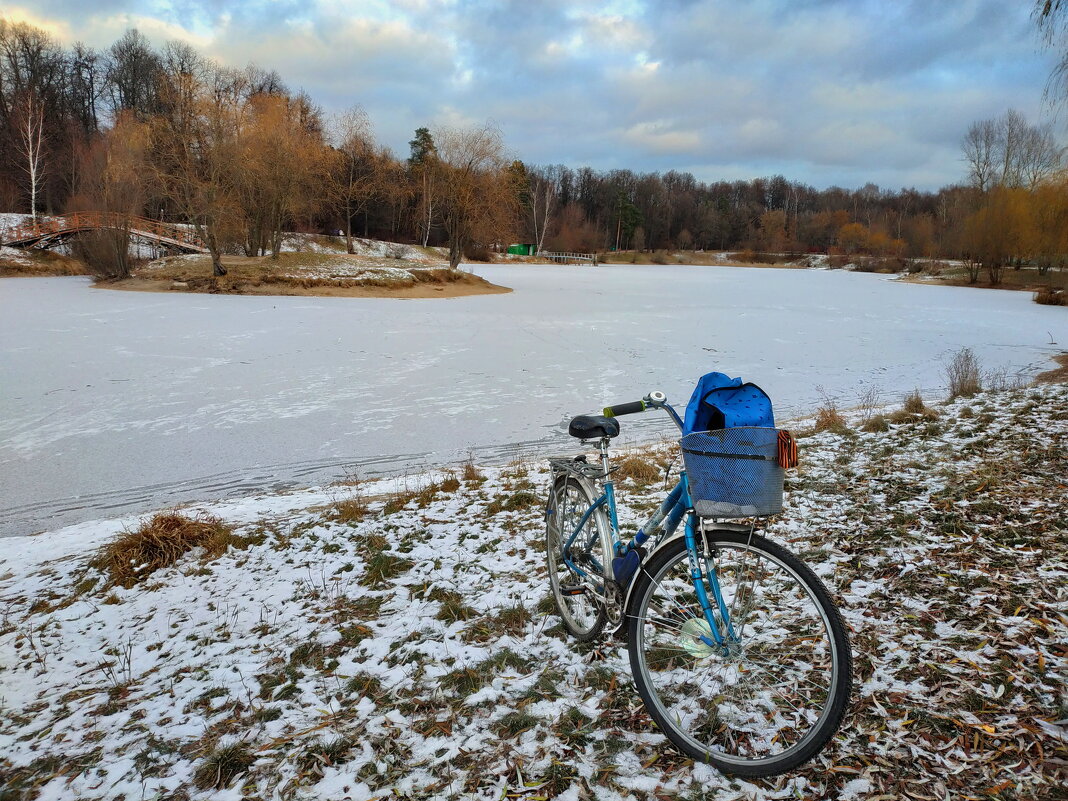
<point x="775" y="697"/>
<point x="576" y="571"/>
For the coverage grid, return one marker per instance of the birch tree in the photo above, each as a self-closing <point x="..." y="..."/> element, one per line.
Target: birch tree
<point x="30" y="123"/>
<point x="544" y="188"/>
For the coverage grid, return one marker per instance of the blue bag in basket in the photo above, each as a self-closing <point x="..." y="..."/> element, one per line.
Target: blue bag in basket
<point x="719" y="401"/>
<point x="730" y="447"/>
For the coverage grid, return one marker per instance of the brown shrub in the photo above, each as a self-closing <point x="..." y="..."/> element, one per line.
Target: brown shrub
<point x="474" y="252"/>
<point x="161" y="542"/>
<point x="1048" y="296"/>
<point x="752" y="257"/>
<point x="881" y="265"/>
<point x="106" y="252"/>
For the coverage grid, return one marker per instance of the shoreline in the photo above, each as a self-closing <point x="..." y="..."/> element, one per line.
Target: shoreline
<point x="467" y="286"/>
<point x="470" y="285"/>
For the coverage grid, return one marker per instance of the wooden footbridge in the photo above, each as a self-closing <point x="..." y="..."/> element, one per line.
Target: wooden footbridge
<point x="44" y="232"/>
<point x="568" y="258"/>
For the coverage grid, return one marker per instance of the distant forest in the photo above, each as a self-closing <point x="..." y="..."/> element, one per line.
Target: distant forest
<point x="166" y="133"/>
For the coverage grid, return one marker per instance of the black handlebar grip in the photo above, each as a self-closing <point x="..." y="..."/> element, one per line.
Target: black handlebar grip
<point x="624" y="408"/>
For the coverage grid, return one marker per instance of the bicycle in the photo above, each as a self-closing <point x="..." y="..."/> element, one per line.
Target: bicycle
<point x="736" y="647"/>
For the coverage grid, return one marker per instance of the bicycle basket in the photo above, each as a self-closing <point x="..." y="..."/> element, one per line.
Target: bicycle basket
<point x="734" y="472"/>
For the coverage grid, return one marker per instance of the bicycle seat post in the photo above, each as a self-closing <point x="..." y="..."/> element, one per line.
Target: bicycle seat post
<point x="604" y="456"/>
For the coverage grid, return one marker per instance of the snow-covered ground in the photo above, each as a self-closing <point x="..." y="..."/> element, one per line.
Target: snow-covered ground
<point x="374" y="248"/>
<point x="412" y="653"/>
<point x="15" y="255"/>
<point x="9" y="220"/>
<point x="117" y="402"/>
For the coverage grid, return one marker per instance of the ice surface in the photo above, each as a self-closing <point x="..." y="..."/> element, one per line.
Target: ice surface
<point x="117" y="402"/>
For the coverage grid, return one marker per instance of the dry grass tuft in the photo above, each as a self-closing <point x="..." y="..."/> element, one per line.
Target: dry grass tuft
<point x="350" y="510"/>
<point x="471" y="474"/>
<point x="516" y="502"/>
<point x="914" y="403"/>
<point x="399" y="499"/>
<point x="222" y="766"/>
<point x="160" y="542"/>
<point x="913" y="409"/>
<point x="828" y="418"/>
<point x="964" y="375"/>
<point x="638" y="469"/>
<point x="875" y="424"/>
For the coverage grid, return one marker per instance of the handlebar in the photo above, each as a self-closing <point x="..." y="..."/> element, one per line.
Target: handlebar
<point x="624" y="408"/>
<point x="654" y="400"/>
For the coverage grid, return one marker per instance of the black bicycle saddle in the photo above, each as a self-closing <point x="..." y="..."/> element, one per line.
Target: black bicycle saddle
<point x="593" y="426"/>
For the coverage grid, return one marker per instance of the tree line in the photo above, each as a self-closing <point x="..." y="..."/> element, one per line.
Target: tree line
<point x="236" y="153"/>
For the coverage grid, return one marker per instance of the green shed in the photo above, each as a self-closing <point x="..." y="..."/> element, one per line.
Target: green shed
<point x="521" y="250"/>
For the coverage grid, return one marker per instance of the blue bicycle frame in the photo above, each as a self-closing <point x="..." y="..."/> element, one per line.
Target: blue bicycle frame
<point x="671" y="512"/>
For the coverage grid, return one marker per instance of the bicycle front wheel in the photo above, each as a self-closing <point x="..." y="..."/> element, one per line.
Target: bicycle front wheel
<point x="770" y="699"/>
<point x="579" y="552"/>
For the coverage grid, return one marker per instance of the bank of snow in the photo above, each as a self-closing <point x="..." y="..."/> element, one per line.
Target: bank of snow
<point x="412" y="653"/>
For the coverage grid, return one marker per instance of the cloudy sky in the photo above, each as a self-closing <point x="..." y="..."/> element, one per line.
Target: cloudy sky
<point x="830" y="92"/>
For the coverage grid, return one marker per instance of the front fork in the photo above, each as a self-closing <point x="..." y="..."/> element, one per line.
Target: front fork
<point x="702" y="571"/>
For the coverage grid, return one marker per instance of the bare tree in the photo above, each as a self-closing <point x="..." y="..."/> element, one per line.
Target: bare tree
<point x="479" y="199"/>
<point x="353" y="177"/>
<point x="980" y="146"/>
<point x="195" y="160"/>
<point x="1039" y="156"/>
<point x="1008" y="151"/>
<point x="133" y="69"/>
<point x="280" y="170"/>
<point x="30" y="122"/>
<point x="1012" y="130"/>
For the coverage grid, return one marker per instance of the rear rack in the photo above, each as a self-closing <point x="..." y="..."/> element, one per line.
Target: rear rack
<point x="572" y="465"/>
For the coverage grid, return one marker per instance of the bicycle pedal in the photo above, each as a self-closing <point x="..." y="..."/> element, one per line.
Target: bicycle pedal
<point x="576" y="590"/>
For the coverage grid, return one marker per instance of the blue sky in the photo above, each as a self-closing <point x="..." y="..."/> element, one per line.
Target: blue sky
<point x="830" y="92"/>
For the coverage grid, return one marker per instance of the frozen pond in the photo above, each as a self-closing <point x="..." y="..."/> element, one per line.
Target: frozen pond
<point x="119" y="402"/>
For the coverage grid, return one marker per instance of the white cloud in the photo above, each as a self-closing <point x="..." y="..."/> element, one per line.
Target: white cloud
<point x="827" y="92"/>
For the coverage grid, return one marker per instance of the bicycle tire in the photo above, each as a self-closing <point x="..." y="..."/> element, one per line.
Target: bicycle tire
<point x="580" y="599"/>
<point x="695" y="692"/>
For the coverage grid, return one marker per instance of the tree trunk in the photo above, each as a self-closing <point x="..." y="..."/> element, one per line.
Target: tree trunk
<point x="994" y="272"/>
<point x="455" y="252"/>
<point x="217" y="268"/>
<point x="348" y="229"/>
